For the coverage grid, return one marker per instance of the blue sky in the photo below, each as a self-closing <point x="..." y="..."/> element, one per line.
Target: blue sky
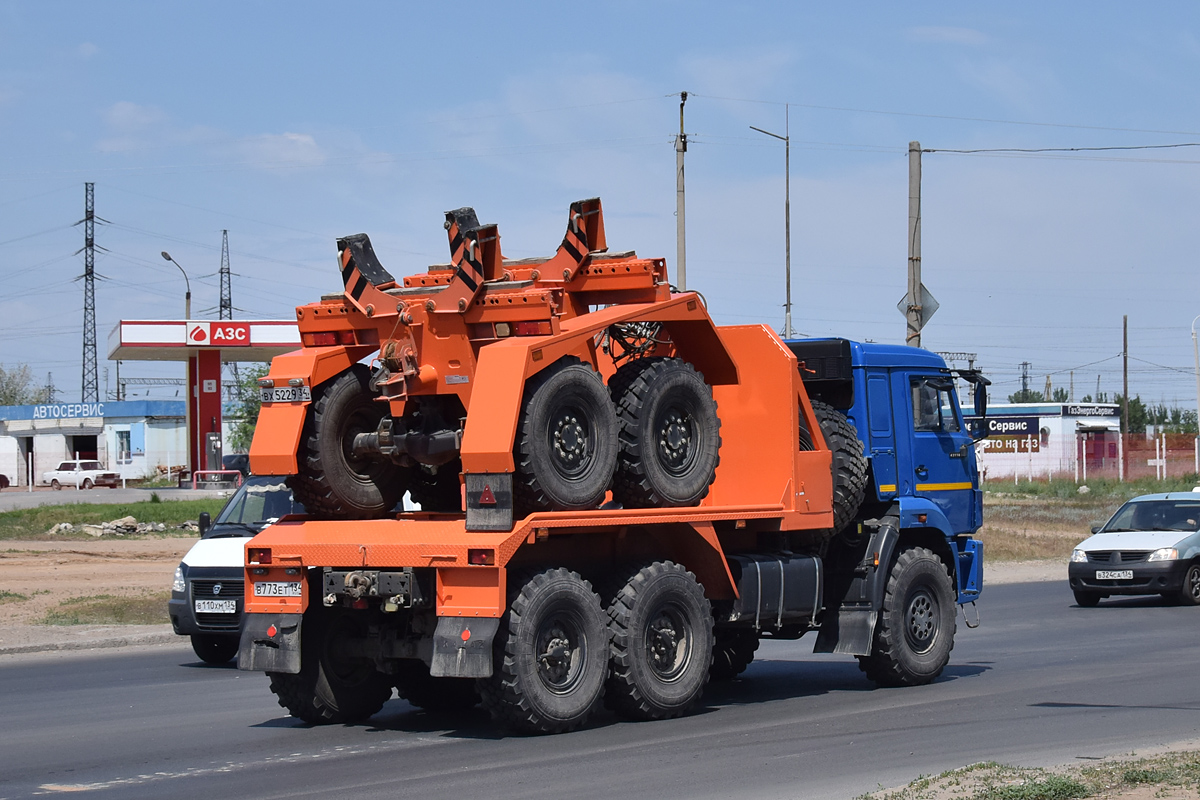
<point x="290" y="124"/>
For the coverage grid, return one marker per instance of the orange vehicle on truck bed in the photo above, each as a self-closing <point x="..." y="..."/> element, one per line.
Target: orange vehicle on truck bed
<point x="618" y="498"/>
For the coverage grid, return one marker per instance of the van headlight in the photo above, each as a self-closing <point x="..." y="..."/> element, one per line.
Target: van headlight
<point x="178" y="585"/>
<point x="1078" y="557"/>
<point x="1164" y="554"/>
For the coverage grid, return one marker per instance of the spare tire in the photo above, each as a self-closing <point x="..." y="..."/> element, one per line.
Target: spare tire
<point x="849" y="467"/>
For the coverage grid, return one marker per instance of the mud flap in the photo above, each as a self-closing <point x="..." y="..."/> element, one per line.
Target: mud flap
<point x="270" y="643"/>
<point x="462" y="647"/>
<point x="857" y="578"/>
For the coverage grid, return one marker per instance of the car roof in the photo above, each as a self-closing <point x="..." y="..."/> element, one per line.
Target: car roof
<point x="1192" y="495"/>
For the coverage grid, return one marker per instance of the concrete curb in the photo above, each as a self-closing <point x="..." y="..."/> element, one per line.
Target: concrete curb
<point x="102" y="639"/>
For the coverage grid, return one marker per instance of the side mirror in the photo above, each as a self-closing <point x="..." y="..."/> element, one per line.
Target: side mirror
<point x="205" y="522"/>
<point x="980" y="400"/>
<point x="1096" y="528"/>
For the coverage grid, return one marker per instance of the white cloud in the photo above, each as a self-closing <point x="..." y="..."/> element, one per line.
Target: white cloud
<point x="125" y="116"/>
<point x="742" y="76"/>
<point x="948" y="35"/>
<point x="273" y="150"/>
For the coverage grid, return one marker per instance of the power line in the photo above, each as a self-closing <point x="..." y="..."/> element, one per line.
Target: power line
<point x="1062" y="149"/>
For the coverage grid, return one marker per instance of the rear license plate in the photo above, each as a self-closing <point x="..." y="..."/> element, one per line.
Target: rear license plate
<point x="1114" y="574"/>
<point x="216" y="606"/>
<point x="277" y="589"/>
<point x="286" y="394"/>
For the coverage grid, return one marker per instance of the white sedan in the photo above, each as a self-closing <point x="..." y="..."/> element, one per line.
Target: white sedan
<point x="1150" y="546"/>
<point x="81" y="474"/>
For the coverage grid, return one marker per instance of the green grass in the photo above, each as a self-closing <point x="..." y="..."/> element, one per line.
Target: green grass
<point x="107" y="609"/>
<point x="1108" y="778"/>
<point x="32" y="523"/>
<point x="11" y="597"/>
<point x="1109" y="489"/>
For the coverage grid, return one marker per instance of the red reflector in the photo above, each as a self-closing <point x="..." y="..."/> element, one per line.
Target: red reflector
<point x="360" y="603"/>
<point x="259" y="555"/>
<point x="481" y="558"/>
<point x="486" y="498"/>
<point x="345" y="337"/>
<point x="271" y="631"/>
<point x="466" y="634"/>
<point x="531" y="328"/>
<point x="324" y="339"/>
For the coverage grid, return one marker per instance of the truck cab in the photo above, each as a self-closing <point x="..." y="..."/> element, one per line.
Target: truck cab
<point x="919" y="446"/>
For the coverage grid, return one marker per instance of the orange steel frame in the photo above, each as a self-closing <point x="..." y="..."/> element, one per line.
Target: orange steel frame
<point x="764" y="483"/>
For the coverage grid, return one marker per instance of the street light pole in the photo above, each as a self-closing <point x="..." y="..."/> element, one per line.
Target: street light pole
<point x="1196" y="355"/>
<point x="787" y="214"/>
<point x="187" y="308"/>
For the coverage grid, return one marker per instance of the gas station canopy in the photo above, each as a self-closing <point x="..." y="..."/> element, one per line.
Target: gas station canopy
<point x="179" y="340"/>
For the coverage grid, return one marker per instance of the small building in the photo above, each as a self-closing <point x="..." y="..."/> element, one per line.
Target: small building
<point x="137" y="438"/>
<point x="1042" y="439"/>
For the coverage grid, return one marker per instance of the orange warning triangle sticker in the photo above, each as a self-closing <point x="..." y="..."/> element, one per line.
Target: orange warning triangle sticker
<point x="486" y="498"/>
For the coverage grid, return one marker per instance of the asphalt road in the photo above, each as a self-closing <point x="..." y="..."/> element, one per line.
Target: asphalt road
<point x="1041" y="682"/>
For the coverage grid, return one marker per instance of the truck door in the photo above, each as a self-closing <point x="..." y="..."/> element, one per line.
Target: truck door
<point x="943" y="454"/>
<point x="882" y="442"/>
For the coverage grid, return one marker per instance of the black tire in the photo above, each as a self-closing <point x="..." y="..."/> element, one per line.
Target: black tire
<point x="670" y="434"/>
<point x="550" y="655"/>
<point x="330" y="687"/>
<point x="849" y="466"/>
<point x="437" y="488"/>
<point x="662" y="643"/>
<point x="1189" y="592"/>
<point x="333" y="483"/>
<point x="1087" y="599"/>
<point x="214" y="648"/>
<point x="915" y="631"/>
<point x="55" y="485"/>
<point x="733" y="651"/>
<point x="566" y="447"/>
<point x="414" y="684"/>
<point x="87" y="484"/>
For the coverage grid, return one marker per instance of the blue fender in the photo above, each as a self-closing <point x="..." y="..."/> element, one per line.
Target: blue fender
<point x="968" y="553"/>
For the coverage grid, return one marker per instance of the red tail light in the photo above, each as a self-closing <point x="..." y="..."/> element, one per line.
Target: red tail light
<point x="259" y="555"/>
<point x="532" y="328"/>
<point x="481" y="558"/>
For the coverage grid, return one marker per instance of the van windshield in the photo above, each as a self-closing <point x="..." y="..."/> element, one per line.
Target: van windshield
<point x="258" y="502"/>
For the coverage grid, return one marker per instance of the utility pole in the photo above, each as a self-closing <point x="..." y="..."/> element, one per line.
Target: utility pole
<point x="913" y="336"/>
<point x="680" y="228"/>
<point x="91" y="377"/>
<point x="1125" y="372"/>
<point x="1047" y="393"/>
<point x="1025" y="365"/>
<point x="226" y="308"/>
<point x="787" y="214"/>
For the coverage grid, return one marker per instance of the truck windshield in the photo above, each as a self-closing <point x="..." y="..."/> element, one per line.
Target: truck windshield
<point x="259" y="501"/>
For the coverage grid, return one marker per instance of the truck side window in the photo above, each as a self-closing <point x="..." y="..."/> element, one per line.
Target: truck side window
<point x="933" y="408"/>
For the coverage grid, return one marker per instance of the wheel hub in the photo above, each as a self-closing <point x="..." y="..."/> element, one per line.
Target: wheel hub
<point x="569" y="440"/>
<point x="921" y="621"/>
<point x="668" y="645"/>
<point x="675" y="438"/>
<point x="559" y="655"/>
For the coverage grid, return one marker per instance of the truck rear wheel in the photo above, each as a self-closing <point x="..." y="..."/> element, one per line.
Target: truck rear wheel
<point x="331" y="687"/>
<point x="670" y="434"/>
<point x="214" y="648"/>
<point x="733" y="651"/>
<point x="550" y="656"/>
<point x="566" y="439"/>
<point x="662" y="643"/>
<point x="849" y="467"/>
<point x="915" y="631"/>
<point x="415" y="684"/>
<point x="333" y="482"/>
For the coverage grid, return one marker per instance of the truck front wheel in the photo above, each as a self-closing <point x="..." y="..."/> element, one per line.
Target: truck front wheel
<point x="550" y="656"/>
<point x="915" y="631"/>
<point x="662" y="643"/>
<point x="331" y="687"/>
<point x="333" y="482"/>
<point x="214" y="648"/>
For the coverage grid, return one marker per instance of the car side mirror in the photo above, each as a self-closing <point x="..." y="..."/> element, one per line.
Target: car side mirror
<point x="205" y="522"/>
<point x="1096" y="528"/>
